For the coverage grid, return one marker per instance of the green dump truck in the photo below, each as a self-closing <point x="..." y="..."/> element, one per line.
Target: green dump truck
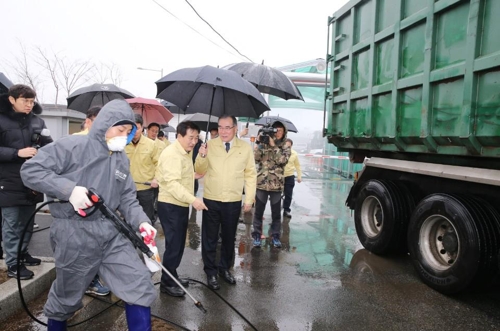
<point x="415" y="95"/>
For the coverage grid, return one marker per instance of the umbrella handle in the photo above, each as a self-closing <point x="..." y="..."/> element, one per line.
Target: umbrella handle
<point x="204" y="155"/>
<point x="209" y="115"/>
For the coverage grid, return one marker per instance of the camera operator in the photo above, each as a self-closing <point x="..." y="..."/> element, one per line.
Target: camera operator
<point x="271" y="156"/>
<point x="20" y="136"/>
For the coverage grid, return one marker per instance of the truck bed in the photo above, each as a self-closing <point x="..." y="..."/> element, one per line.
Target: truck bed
<point x="415" y="76"/>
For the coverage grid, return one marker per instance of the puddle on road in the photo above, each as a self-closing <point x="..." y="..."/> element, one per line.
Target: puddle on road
<point x="320" y="238"/>
<point x="324" y="230"/>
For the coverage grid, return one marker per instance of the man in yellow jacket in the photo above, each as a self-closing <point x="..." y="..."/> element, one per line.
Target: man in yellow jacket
<point x="175" y="174"/>
<point x="161" y="137"/>
<point x="291" y="167"/>
<point x="152" y="133"/>
<point x="89" y="119"/>
<point x="143" y="154"/>
<point x="228" y="165"/>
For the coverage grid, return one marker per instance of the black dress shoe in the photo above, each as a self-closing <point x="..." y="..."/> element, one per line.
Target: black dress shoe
<point x="226" y="275"/>
<point x="174" y="291"/>
<point x="184" y="282"/>
<point x="287" y="214"/>
<point x="213" y="283"/>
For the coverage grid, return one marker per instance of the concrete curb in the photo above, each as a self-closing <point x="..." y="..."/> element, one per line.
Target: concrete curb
<point x="10" y="302"/>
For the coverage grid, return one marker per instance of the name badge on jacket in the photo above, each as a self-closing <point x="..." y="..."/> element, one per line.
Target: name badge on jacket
<point x="121" y="176"/>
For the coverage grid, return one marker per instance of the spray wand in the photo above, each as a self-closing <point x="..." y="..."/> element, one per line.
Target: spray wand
<point x="125" y="229"/>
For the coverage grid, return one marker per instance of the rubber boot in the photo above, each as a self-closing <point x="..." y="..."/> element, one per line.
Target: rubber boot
<point x="53" y="325"/>
<point x="138" y="317"/>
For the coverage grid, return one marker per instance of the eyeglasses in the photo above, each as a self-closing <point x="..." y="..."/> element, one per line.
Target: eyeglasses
<point x="27" y="101"/>
<point x="225" y="128"/>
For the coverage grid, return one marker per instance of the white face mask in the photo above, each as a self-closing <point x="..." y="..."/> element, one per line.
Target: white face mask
<point x="117" y="144"/>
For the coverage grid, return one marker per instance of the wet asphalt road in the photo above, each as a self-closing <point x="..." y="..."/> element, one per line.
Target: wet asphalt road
<point x="322" y="279"/>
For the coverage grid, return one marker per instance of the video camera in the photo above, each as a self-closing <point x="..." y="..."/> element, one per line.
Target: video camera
<point x="266" y="132"/>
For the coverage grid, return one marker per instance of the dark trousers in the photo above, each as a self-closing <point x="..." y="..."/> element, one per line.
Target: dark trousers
<point x="288" y="191"/>
<point x="1" y="250"/>
<point x="174" y="221"/>
<point x="260" y="205"/>
<point x="223" y="215"/>
<point x="147" y="201"/>
<point x="14" y="221"/>
<point x="156" y="191"/>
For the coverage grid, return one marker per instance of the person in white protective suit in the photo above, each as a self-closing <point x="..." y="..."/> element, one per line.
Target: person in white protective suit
<point x="84" y="246"/>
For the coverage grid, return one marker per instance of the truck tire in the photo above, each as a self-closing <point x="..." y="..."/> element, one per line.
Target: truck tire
<point x="407" y="205"/>
<point x="489" y="227"/>
<point x="449" y="242"/>
<point x="381" y="216"/>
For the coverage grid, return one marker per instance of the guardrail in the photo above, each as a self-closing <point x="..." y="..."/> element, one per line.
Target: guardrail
<point x="327" y="163"/>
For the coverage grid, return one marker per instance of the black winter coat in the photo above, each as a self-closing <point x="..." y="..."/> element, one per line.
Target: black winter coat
<point x="17" y="131"/>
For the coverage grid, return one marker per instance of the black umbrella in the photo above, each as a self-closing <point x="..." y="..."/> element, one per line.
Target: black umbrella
<point x="211" y="91"/>
<point x="5" y="83"/>
<point x="203" y="121"/>
<point x="167" y="128"/>
<point x="170" y="106"/>
<point x="269" y="120"/>
<point x="267" y="80"/>
<point x="95" y="95"/>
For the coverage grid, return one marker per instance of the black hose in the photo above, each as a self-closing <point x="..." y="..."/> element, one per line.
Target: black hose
<point x="18" y="264"/>
<point x="18" y="261"/>
<point x="227" y="303"/>
<point x="25" y="306"/>
<point x="42" y="229"/>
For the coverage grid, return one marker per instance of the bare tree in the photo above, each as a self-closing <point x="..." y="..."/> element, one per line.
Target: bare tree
<point x="23" y="69"/>
<point x="115" y="74"/>
<point x="51" y="65"/>
<point x="64" y="73"/>
<point x="74" y="73"/>
<point x="108" y="73"/>
<point x="100" y="74"/>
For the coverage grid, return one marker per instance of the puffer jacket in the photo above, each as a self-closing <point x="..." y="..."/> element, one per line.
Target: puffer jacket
<point x="17" y="131"/>
<point x="270" y="163"/>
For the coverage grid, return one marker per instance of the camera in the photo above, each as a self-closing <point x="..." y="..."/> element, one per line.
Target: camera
<point x="265" y="133"/>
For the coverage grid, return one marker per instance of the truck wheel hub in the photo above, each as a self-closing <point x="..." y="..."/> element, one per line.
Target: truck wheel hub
<point x="440" y="245"/>
<point x="450" y="242"/>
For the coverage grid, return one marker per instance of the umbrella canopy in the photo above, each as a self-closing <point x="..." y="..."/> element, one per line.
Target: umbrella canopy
<point x="5" y="83"/>
<point x="168" y="128"/>
<point x="269" y="120"/>
<point x="267" y="80"/>
<point x="171" y="107"/>
<point x="205" y="122"/>
<point x="211" y="90"/>
<point x="95" y="95"/>
<point x="151" y="110"/>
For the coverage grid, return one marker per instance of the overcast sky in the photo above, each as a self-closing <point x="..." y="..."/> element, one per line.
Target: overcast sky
<point x="139" y="33"/>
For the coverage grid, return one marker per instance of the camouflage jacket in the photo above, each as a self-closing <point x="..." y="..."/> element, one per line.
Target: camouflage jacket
<point x="270" y="163"/>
